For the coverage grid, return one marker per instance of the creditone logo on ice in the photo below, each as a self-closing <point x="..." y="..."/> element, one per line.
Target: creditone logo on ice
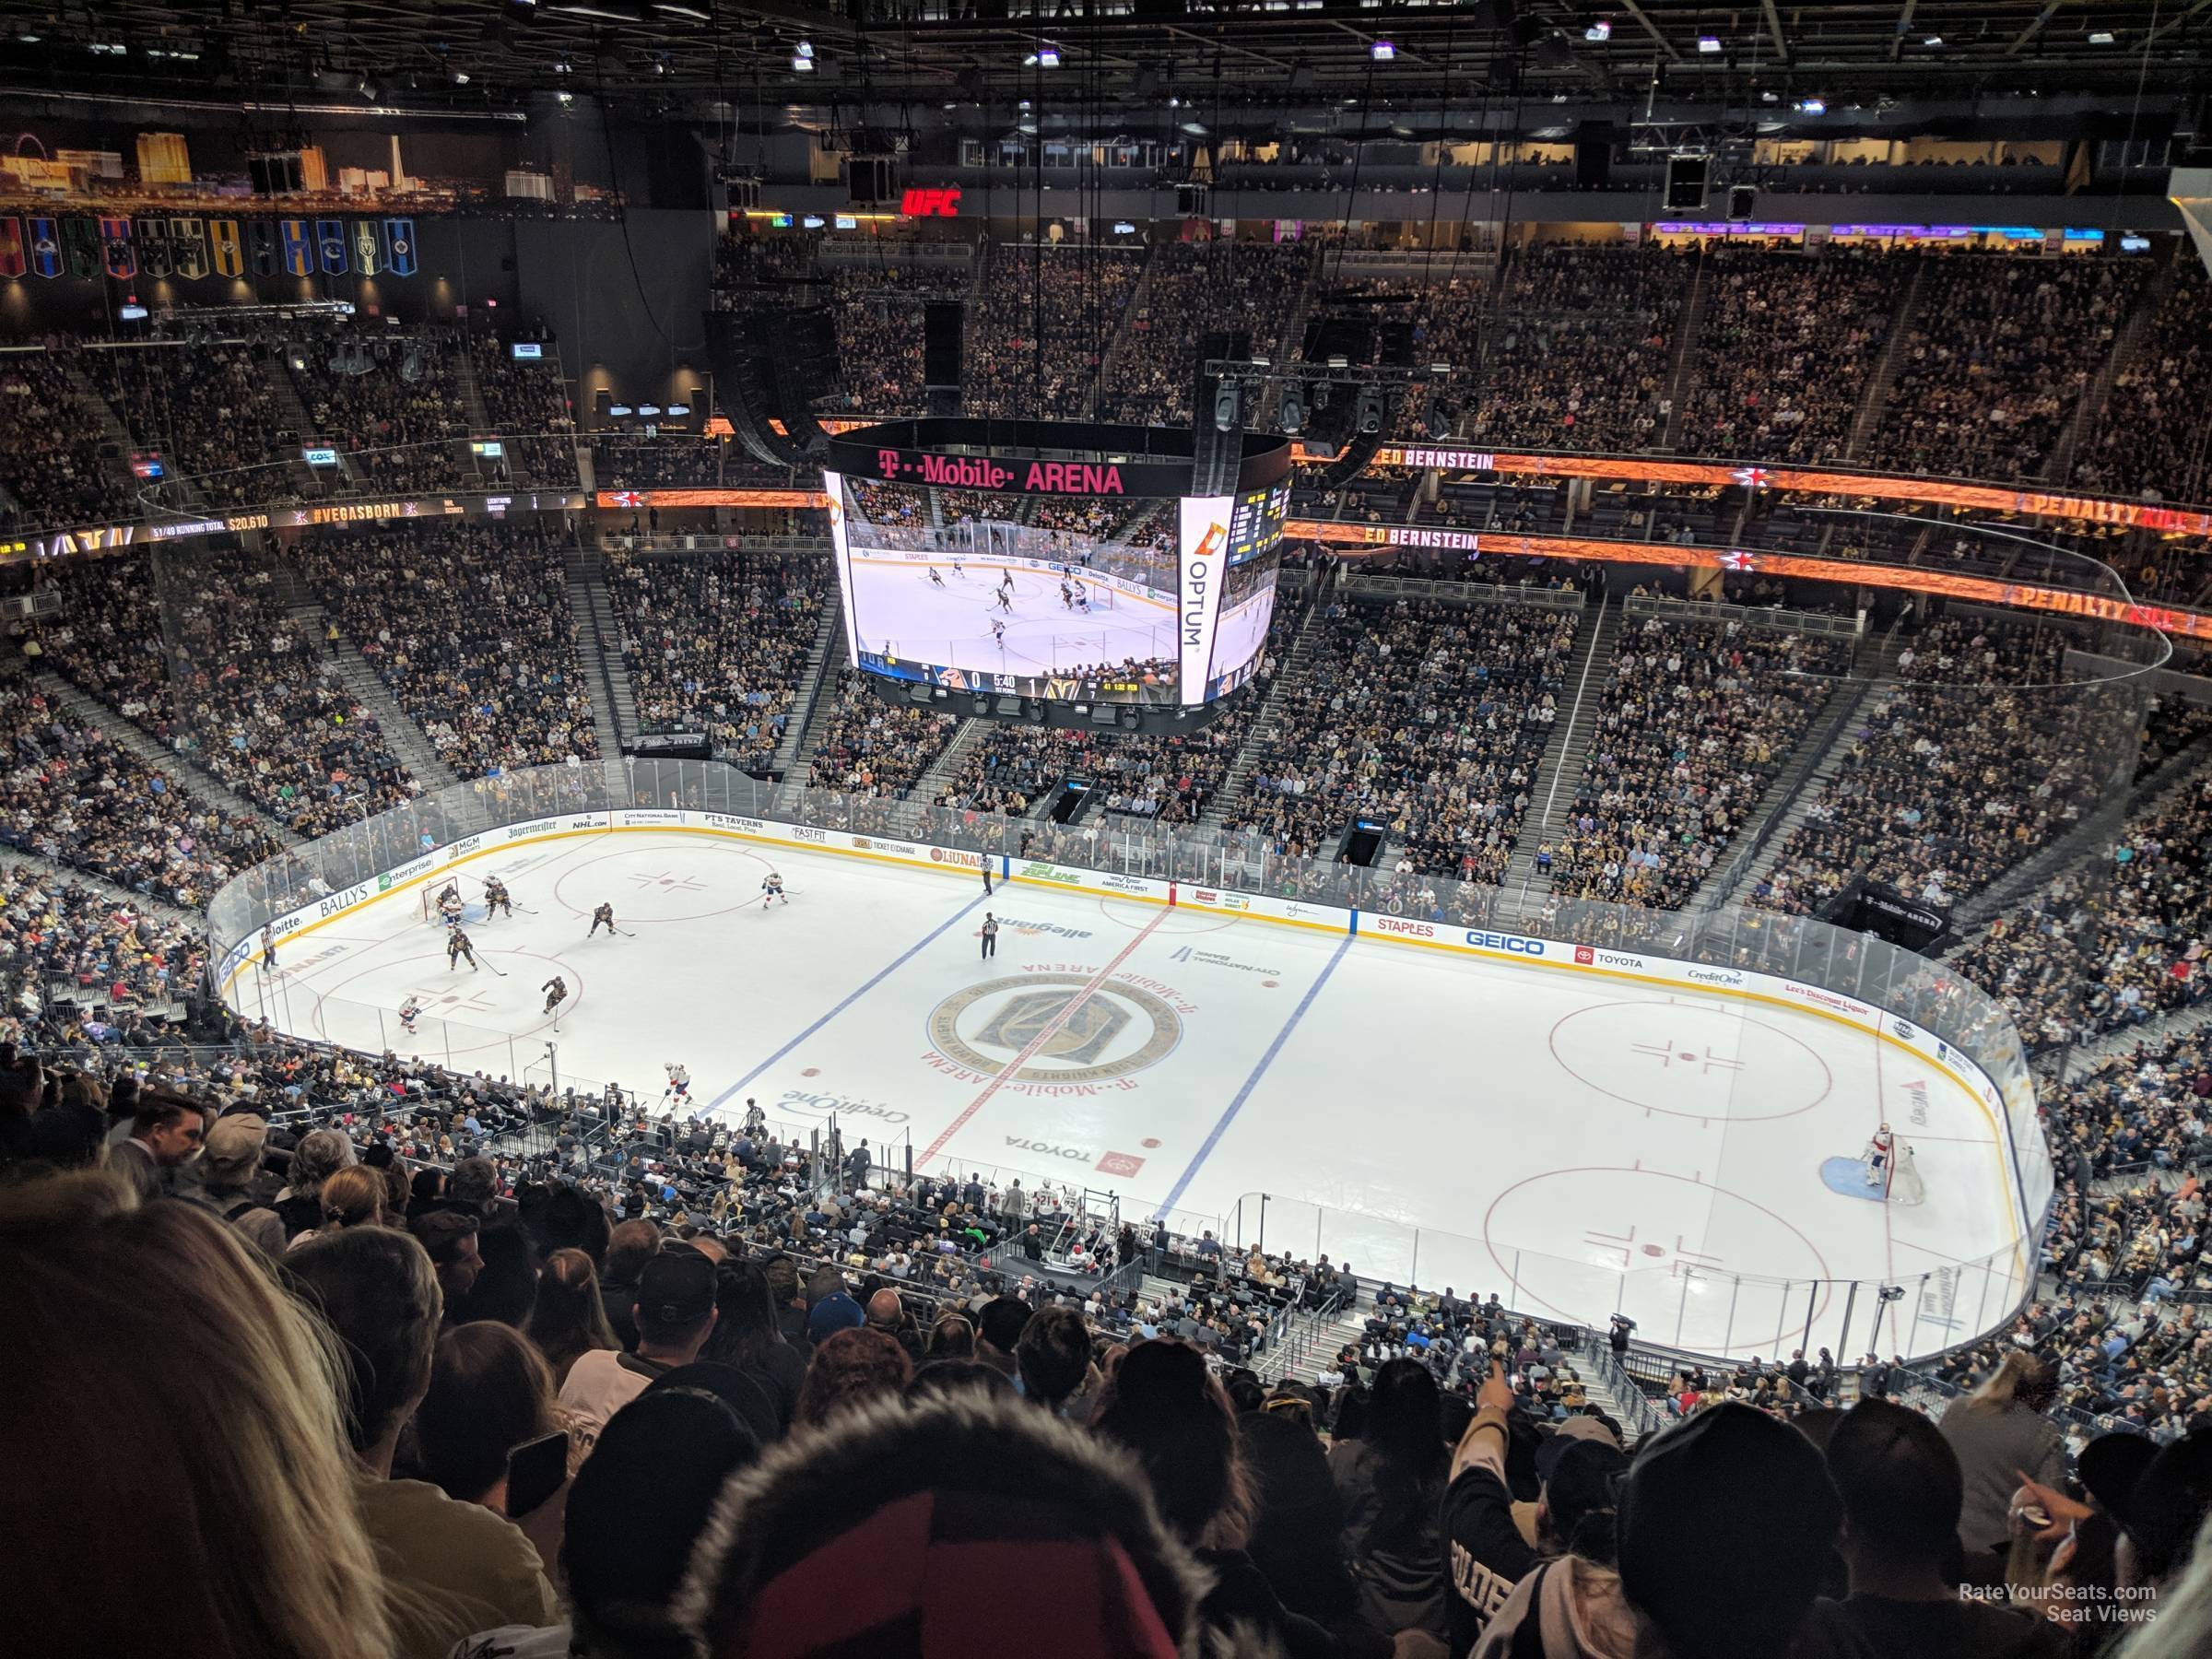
<point x="1117" y="1030"/>
<point x="827" y="1105"/>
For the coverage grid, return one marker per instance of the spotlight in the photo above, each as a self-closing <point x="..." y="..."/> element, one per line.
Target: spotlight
<point x="804" y="48"/>
<point x="459" y="78"/>
<point x="800" y="66"/>
<point x="2100" y="37"/>
<point x="1600" y="30"/>
<point x="1382" y="51"/>
<point x="1292" y="413"/>
<point x="1709" y="44"/>
<point x="1225" y="409"/>
<point x="564" y="98"/>
<point x="1932" y="40"/>
<point x="1048" y="57"/>
<point x="1368" y="412"/>
<point x="1812" y="106"/>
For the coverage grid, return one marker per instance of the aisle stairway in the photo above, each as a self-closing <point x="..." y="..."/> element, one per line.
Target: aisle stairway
<point x="148" y="748"/>
<point x="816" y="681"/>
<point x="599" y="648"/>
<point x="1296" y="668"/>
<point x="1559" y="770"/>
<point x="1875" y="399"/>
<point x="1687" y="346"/>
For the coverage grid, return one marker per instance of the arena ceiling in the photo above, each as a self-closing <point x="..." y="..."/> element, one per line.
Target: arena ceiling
<point x="693" y="59"/>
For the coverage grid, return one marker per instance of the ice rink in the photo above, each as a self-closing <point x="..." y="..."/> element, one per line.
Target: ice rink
<point x="1570" y="1142"/>
<point x="900" y="613"/>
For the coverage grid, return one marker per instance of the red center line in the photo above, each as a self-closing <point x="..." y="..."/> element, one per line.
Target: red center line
<point x="1044" y="1036"/>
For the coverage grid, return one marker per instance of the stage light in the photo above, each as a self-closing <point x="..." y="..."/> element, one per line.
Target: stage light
<point x="1932" y="40"/>
<point x="1045" y="57"/>
<point x="1812" y="106"/>
<point x="1291" y="416"/>
<point x="1709" y="44"/>
<point x="1600" y="30"/>
<point x="804" y="48"/>
<point x="459" y="78"/>
<point x="1382" y="51"/>
<point x="2100" y="37"/>
<point x="800" y="66"/>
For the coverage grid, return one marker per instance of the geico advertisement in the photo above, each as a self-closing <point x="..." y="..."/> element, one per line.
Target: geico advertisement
<point x="1204" y="546"/>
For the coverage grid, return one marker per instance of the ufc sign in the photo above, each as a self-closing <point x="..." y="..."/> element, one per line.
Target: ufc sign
<point x="922" y="201"/>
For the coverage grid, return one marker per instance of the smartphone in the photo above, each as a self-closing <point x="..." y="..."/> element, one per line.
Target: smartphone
<point x="535" y="1471"/>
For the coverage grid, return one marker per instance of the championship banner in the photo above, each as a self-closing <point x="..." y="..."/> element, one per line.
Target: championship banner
<point x="298" y="248"/>
<point x="80" y="241"/>
<point x="45" y="246"/>
<point x="330" y="234"/>
<point x="229" y="259"/>
<point x="188" y="247"/>
<point x="11" y="246"/>
<point x="367" y="255"/>
<point x="115" y="251"/>
<point x="153" y="247"/>
<point x="262" y="236"/>
<point x="399" y="246"/>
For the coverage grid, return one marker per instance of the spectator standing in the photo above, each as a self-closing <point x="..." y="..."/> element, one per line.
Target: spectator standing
<point x="1998" y="1433"/>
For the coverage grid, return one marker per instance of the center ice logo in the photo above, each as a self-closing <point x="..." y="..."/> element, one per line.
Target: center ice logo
<point x="1061" y="1035"/>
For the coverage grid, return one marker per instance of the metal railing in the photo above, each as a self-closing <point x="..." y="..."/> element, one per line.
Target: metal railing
<point x="1707" y="1308"/>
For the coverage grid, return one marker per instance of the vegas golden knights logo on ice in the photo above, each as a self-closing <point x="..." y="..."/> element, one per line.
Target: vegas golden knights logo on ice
<point x="1118" y="1030"/>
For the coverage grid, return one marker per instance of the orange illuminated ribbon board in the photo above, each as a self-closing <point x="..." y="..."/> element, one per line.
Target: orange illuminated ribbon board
<point x="633" y="499"/>
<point x="2138" y="515"/>
<point x="1737" y="561"/>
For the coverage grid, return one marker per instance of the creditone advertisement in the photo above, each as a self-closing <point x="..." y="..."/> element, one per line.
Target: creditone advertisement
<point x="1204" y="543"/>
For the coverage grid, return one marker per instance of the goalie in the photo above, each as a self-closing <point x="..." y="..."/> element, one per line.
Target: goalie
<point x="1880" y="1156"/>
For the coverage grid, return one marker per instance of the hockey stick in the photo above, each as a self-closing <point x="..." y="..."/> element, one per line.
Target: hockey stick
<point x="626" y="933"/>
<point x="494" y="967"/>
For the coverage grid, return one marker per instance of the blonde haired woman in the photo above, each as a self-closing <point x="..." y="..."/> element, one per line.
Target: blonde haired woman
<point x="355" y="1196"/>
<point x="214" y="1436"/>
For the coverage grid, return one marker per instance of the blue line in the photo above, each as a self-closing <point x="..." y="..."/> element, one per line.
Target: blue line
<point x="1229" y="1116"/>
<point x="885" y="973"/>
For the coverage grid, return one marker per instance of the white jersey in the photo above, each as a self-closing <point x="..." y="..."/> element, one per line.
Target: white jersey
<point x="679" y="1076"/>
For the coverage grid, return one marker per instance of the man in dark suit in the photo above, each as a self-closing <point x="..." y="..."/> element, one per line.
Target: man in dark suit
<point x="167" y="1131"/>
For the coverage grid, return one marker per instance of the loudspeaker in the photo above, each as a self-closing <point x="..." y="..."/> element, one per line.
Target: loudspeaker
<point x="1685" y="177"/>
<point x="1190" y="200"/>
<point x="1594" y="163"/>
<point x="274" y="175"/>
<point x="1742" y="199"/>
<point x="944" y="333"/>
<point x="870" y="179"/>
<point x="746" y="388"/>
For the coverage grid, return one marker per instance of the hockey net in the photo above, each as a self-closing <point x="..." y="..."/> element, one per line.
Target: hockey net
<point x="1901" y="1182"/>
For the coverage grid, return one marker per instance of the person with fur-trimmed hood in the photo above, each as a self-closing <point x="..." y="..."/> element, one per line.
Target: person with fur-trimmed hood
<point x="968" y="1526"/>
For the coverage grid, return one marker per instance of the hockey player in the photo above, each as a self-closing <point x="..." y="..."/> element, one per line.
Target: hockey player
<point x="998" y="633"/>
<point x="557" y="993"/>
<point x="958" y="571"/>
<point x="771" y="889"/>
<point x="1067" y="595"/>
<point x="935" y="581"/>
<point x="496" y="898"/>
<point x="604" y="915"/>
<point x="452" y="908"/>
<point x="1005" y="604"/>
<point x="1006" y="582"/>
<point x="1879" y="1155"/>
<point x="456" y="946"/>
<point x="680" y="1086"/>
<point x="408" y="1011"/>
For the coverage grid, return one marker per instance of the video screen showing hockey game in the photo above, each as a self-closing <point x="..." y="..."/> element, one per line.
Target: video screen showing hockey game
<point x="1107" y="600"/>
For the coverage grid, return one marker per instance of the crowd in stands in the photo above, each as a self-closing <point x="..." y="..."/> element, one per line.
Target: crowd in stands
<point x="755" y="1448"/>
<point x="880" y="332"/>
<point x="1425" y="717"/>
<point x="1783" y="348"/>
<point x="51" y="468"/>
<point x="70" y="793"/>
<point x="1578" y="354"/>
<point x="469" y="626"/>
<point x="80" y="972"/>
<point x="528" y="407"/>
<point x="1976" y="757"/>
<point x="2149" y="439"/>
<point x="1696" y="720"/>
<point x="1192" y="289"/>
<point x="633" y="461"/>
<point x="873" y="749"/>
<point x="392" y="405"/>
<point x="208" y="408"/>
<point x="715" y="644"/>
<point x="1999" y="353"/>
<point x="1036" y="344"/>
<point x="206" y="659"/>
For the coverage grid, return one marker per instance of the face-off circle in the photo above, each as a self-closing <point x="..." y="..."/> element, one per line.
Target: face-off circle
<point x="1667" y="1242"/>
<point x="1115" y="1031"/>
<point x="1691" y="1060"/>
<point x="652" y="884"/>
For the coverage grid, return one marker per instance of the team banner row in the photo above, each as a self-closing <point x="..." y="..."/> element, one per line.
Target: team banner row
<point x="192" y="247"/>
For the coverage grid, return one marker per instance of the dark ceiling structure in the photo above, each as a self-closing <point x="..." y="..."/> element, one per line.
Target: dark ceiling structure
<point x="748" y="64"/>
